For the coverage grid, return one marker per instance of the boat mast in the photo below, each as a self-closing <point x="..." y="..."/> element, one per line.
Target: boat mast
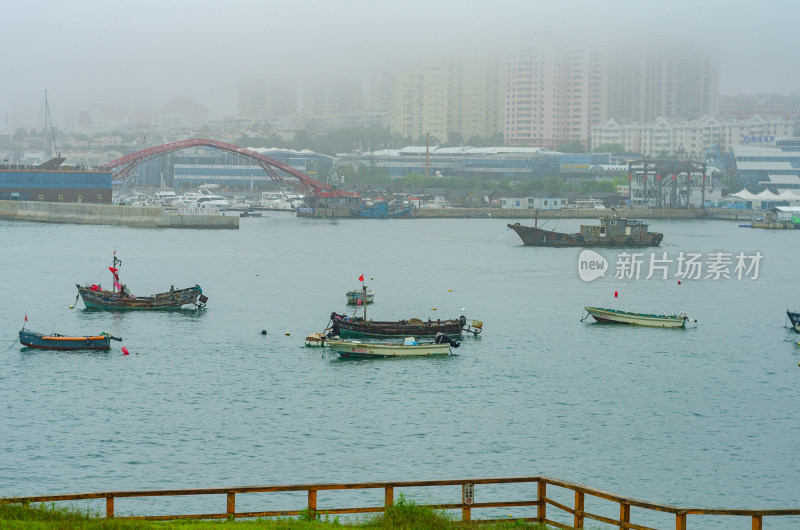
<point x="115" y="274"/>
<point x="364" y="301"/>
<point x="47" y="117"/>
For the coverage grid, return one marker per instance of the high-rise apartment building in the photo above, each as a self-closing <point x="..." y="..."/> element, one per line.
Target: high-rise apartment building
<point x="463" y="94"/>
<point x="420" y="103"/>
<point x="650" y="82"/>
<point x="554" y="95"/>
<point x="475" y="95"/>
<point x="267" y="98"/>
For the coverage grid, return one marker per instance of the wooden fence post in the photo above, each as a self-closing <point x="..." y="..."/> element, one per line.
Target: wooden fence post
<point x="388" y="498"/>
<point x="467" y="498"/>
<point x="110" y="507"/>
<point x="312" y="503"/>
<point x="624" y="516"/>
<point x="231" y="511"/>
<point x="541" y="511"/>
<point x="578" y="518"/>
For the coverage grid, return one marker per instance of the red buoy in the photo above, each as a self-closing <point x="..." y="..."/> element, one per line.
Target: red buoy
<point x="125" y="351"/>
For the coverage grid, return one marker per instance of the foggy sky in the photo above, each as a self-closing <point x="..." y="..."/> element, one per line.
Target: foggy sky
<point x="92" y="52"/>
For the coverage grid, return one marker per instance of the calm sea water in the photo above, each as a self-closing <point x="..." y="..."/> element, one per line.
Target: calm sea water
<point x="706" y="417"/>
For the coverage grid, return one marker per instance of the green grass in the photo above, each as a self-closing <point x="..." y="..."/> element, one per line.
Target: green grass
<point x="405" y="514"/>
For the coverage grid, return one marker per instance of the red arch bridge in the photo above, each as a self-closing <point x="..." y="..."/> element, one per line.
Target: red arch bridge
<point x="277" y="171"/>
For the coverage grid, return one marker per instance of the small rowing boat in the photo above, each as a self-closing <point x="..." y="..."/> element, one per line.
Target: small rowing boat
<point x="32" y="339"/>
<point x="601" y="314"/>
<point x="410" y="347"/>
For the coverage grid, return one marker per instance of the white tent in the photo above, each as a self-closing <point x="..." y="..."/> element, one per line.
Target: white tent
<point x="767" y="196"/>
<point x="789" y="196"/>
<point x="741" y="196"/>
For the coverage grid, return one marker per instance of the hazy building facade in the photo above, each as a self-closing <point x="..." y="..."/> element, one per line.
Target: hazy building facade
<point x="344" y="101"/>
<point x="773" y="165"/>
<point x="462" y="94"/>
<point x="689" y="138"/>
<point x="647" y="82"/>
<point x="420" y="103"/>
<point x="554" y="95"/>
<point x="267" y="98"/>
<point x="182" y="113"/>
<point x="476" y="95"/>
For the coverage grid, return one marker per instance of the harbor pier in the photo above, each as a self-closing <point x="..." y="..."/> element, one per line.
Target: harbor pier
<point x="109" y="214"/>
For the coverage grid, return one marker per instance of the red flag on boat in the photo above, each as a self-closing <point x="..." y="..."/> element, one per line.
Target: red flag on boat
<point x="26" y="317"/>
<point x="361" y="278"/>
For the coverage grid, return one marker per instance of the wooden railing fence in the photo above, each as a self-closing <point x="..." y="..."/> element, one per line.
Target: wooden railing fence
<point x="469" y="490"/>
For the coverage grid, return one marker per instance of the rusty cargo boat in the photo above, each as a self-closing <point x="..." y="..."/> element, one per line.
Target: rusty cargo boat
<point x="612" y="231"/>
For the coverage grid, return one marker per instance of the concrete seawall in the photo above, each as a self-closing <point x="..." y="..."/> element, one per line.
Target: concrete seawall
<point x="108" y="214"/>
<point x="503" y="213"/>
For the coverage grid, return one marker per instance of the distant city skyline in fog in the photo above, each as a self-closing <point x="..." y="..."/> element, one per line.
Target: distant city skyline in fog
<point x="148" y="53"/>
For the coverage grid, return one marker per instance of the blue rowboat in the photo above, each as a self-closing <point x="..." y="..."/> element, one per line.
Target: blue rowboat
<point x="32" y="339"/>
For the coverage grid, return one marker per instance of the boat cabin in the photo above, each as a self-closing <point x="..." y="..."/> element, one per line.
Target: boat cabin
<point x="616" y="227"/>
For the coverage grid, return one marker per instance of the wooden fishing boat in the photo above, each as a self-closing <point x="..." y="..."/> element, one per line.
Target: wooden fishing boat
<point x="120" y="298"/>
<point x="794" y="318"/>
<point x="363" y="295"/>
<point x="640" y="319"/>
<point x="410" y="347"/>
<point x="345" y="326"/>
<point x="612" y="232"/>
<point x="54" y="341"/>
<point x="355" y="326"/>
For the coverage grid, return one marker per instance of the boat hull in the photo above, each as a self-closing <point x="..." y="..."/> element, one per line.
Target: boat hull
<point x="638" y="319"/>
<point x="402" y="328"/>
<point x="170" y="300"/>
<point x="366" y="350"/>
<point x="380" y="211"/>
<point x="31" y="339"/>
<point x="794" y="318"/>
<point x="537" y="237"/>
